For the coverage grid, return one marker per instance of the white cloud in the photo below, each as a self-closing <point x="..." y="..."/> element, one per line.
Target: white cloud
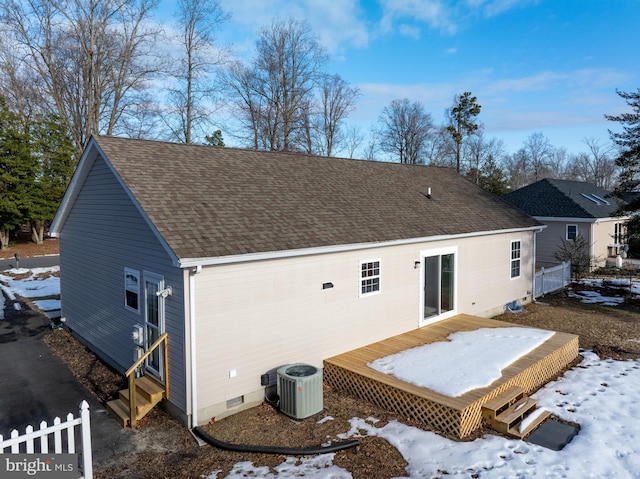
<point x="335" y="23"/>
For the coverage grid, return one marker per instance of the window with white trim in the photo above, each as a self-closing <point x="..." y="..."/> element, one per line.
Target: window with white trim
<point x="617" y="233"/>
<point x="132" y="289"/>
<point x="572" y="232"/>
<point x="515" y="258"/>
<point x="369" y="277"/>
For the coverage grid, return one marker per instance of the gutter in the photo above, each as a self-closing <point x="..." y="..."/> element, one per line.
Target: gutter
<point x="246" y="258"/>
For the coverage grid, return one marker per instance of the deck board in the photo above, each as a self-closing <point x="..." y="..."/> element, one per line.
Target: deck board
<point x="459" y="415"/>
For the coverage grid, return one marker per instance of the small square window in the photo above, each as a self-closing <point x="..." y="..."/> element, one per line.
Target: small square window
<point x="131" y="289"/>
<point x="572" y="232"/>
<point x="515" y="259"/>
<point x="369" y="277"/>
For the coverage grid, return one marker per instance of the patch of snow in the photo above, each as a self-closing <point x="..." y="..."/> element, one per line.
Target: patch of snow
<point x="594" y="297"/>
<point x="316" y="467"/>
<point x="531" y="418"/>
<point x="33" y="286"/>
<point x="325" y="419"/>
<point x="453" y="368"/>
<point x="17" y="306"/>
<point x="47" y="304"/>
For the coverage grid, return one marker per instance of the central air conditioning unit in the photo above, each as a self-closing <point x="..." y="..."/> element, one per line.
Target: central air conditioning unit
<point x="300" y="390"/>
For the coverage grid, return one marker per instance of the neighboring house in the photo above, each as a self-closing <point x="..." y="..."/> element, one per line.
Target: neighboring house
<point x="569" y="209"/>
<point x="272" y="259"/>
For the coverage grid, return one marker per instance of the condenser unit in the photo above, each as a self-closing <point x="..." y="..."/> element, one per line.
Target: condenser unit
<point x="300" y="390"/>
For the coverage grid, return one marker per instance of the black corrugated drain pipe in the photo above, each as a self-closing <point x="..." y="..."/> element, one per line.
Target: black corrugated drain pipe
<point x="292" y="451"/>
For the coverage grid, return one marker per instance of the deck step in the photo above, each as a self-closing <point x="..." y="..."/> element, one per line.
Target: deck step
<point x="148" y="393"/>
<point x="513" y="412"/>
<point x="119" y="411"/>
<point x="495" y="406"/>
<point x="530" y="422"/>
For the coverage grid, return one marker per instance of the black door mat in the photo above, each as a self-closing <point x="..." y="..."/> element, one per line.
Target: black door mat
<point x="553" y="434"/>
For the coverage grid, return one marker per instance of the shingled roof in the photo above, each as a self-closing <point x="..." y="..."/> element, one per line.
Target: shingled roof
<point x="563" y="199"/>
<point x="208" y="202"/>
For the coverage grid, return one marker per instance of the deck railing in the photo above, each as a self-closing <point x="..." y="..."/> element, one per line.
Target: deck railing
<point x="163" y="341"/>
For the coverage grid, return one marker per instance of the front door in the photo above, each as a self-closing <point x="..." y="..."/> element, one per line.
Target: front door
<point x="154" y="321"/>
<point x="438" y="285"/>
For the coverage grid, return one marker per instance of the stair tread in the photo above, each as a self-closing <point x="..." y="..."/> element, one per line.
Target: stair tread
<point x="120" y="411"/>
<point x="517" y="410"/>
<point x="141" y="400"/>
<point x="521" y="433"/>
<point x="149" y="386"/>
<point x="503" y="398"/>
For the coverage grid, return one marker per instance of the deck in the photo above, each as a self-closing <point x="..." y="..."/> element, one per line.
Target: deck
<point x="455" y="416"/>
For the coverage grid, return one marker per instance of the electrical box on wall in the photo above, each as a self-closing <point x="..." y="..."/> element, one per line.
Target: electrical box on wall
<point x="137" y="335"/>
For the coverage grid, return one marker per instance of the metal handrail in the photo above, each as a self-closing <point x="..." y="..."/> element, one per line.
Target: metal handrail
<point x="163" y="339"/>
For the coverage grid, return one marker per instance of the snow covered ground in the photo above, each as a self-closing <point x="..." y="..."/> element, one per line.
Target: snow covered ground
<point x="602" y="396"/>
<point x="33" y="285"/>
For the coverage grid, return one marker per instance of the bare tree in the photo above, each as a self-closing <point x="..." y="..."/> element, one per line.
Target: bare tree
<point x="197" y="21"/>
<point x="538" y="152"/>
<point x="482" y="154"/>
<point x="406" y="128"/>
<point x="596" y="166"/>
<point x="288" y="65"/>
<point x="353" y="139"/>
<point x="338" y="100"/>
<point x="93" y="57"/>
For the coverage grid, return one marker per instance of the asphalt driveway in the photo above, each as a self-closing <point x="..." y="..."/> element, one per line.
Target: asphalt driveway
<point x="35" y="385"/>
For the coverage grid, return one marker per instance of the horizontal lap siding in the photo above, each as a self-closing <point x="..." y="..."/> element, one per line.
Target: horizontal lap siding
<point x="602" y="237"/>
<point x="256" y="316"/>
<point x="103" y="234"/>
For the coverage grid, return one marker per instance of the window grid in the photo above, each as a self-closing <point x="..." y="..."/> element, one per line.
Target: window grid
<point x="515" y="259"/>
<point x="369" y="277"/>
<point x="572" y="232"/>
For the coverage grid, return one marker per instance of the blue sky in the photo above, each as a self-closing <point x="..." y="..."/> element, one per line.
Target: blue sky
<point x="549" y="66"/>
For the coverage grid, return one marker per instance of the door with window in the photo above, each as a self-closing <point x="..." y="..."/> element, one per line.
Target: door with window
<point x="154" y="321"/>
<point x="438" y="285"/>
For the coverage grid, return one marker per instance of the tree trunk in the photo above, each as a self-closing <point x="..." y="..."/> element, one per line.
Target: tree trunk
<point x="4" y="238"/>
<point x="37" y="232"/>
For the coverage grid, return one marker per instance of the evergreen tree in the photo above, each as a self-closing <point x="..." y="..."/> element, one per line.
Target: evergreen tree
<point x="461" y="124"/>
<point x="53" y="152"/>
<point x="17" y="171"/>
<point x="628" y="159"/>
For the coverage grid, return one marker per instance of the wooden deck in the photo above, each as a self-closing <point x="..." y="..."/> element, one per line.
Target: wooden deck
<point x="456" y="416"/>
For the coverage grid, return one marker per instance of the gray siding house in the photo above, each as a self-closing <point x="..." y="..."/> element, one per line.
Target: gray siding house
<point x="570" y="209"/>
<point x="253" y="260"/>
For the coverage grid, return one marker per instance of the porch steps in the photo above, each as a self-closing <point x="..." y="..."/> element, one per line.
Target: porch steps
<point x="148" y="394"/>
<point x="508" y="411"/>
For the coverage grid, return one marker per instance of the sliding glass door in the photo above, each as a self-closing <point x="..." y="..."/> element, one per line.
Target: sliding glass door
<point x="438" y="285"/>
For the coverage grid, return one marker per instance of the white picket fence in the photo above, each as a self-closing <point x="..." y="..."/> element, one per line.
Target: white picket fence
<point x="38" y="441"/>
<point x="552" y="279"/>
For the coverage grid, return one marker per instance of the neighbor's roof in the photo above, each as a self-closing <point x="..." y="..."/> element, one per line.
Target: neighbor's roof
<point x="563" y="199"/>
<point x="209" y="201"/>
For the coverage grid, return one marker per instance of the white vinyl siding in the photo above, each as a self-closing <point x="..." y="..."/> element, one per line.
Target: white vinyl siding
<point x="291" y="318"/>
<point x="369" y="277"/>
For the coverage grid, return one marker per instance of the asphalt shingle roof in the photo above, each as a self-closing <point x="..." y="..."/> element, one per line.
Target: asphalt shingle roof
<point x="211" y="201"/>
<point x="563" y="199"/>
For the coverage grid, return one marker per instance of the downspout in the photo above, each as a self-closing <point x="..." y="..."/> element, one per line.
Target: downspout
<point x="533" y="266"/>
<point x="192" y="341"/>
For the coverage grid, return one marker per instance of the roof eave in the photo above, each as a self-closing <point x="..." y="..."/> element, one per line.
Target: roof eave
<point x="270" y="255"/>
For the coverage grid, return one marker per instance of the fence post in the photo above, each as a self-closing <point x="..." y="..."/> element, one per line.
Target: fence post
<point x="87" y="462"/>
